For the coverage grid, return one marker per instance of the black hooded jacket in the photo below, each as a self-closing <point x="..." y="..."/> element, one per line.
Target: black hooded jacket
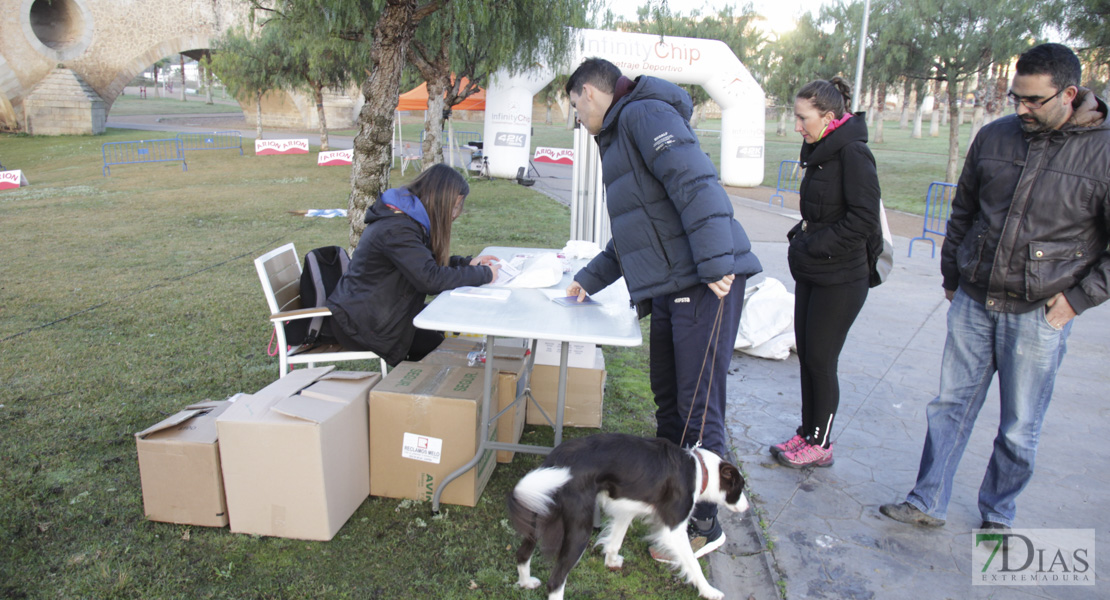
<point x="839" y="205"/>
<point x="391" y="272"/>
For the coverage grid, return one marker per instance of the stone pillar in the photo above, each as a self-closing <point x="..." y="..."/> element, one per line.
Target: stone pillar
<point x="63" y="104"/>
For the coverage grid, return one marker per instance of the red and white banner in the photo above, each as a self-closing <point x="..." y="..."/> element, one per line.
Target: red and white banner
<point x="264" y="147"/>
<point x="12" y="179"/>
<point x="562" y="156"/>
<point x="335" y="158"/>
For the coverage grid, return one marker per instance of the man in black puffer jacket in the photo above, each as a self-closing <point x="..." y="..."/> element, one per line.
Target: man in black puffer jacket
<point x="1025" y="251"/>
<point x="676" y="244"/>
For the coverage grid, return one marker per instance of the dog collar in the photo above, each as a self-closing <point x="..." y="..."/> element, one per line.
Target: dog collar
<point x="704" y="472"/>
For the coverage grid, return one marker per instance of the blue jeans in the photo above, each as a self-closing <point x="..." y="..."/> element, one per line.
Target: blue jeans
<point x="1026" y="352"/>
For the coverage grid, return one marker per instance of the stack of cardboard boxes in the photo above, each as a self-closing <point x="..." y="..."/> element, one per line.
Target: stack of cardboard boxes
<point x="297" y="458"/>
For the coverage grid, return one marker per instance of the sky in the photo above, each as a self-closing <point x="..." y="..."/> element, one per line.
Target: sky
<point x="780" y="14"/>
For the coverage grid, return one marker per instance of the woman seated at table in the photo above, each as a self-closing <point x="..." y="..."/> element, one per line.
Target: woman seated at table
<point x="401" y="257"/>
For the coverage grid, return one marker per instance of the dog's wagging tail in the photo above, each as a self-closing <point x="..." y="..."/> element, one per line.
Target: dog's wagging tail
<point x="629" y="477"/>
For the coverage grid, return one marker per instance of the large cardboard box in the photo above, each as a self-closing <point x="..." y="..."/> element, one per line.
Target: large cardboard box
<point x="179" y="465"/>
<point x="580" y="355"/>
<point x="295" y="454"/>
<point x="509" y="362"/>
<point x="585" y="389"/>
<point x="423" y="427"/>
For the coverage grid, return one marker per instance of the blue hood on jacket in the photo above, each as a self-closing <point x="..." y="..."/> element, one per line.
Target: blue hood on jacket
<point x="409" y="204"/>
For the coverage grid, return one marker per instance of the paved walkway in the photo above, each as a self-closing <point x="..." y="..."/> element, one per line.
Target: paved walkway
<point x="822" y="535"/>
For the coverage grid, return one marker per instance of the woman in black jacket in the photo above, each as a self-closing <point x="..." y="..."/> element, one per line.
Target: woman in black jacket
<point x="828" y="256"/>
<point x="401" y="257"/>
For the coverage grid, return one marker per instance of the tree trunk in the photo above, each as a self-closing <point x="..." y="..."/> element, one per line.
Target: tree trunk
<point x="208" y="78"/>
<point x="879" y="110"/>
<point x="570" y="116"/>
<point x="318" y="93"/>
<point x="953" y="134"/>
<point x="695" y="117"/>
<point x="783" y="118"/>
<point x="155" y="70"/>
<point x="919" y="113"/>
<point x="871" y="107"/>
<point x="907" y="91"/>
<point x="433" y="119"/>
<point x="182" y="56"/>
<point x="999" y="102"/>
<point x="964" y="90"/>
<point x="372" y="148"/>
<point x="547" y="117"/>
<point x="977" y="117"/>
<point x="258" y="116"/>
<point x="944" y="113"/>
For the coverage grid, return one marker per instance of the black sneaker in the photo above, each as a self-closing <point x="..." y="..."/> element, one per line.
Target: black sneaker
<point x="701" y="542"/>
<point x="705" y="536"/>
<point x="1000" y="528"/>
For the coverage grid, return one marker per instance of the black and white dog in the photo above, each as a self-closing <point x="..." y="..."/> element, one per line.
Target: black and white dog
<point x="629" y="477"/>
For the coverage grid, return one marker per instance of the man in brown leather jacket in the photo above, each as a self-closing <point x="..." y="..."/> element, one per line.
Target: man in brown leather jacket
<point x="1025" y="251"/>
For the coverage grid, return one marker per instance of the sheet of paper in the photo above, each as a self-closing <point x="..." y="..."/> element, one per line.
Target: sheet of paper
<point x="482" y="292"/>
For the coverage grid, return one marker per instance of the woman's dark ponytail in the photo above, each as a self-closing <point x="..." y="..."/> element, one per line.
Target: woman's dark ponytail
<point x="834" y="95"/>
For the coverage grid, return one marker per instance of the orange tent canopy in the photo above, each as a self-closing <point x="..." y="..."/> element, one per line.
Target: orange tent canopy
<point x="417" y="99"/>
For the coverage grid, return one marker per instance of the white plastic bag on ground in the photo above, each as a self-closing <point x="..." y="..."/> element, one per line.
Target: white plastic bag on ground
<point x="767" y="322"/>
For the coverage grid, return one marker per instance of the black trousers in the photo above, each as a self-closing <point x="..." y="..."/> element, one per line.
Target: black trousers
<point x="822" y="317"/>
<point x="423" y="342"/>
<point x="682" y="328"/>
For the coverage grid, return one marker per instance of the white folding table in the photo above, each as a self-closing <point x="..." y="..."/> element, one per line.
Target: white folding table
<point x="531" y="314"/>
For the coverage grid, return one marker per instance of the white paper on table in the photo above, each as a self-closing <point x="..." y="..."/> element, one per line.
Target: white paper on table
<point x="540" y="271"/>
<point x="481" y="292"/>
<point x="506" y="272"/>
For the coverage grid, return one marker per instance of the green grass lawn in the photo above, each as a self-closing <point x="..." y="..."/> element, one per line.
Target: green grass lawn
<point x="129" y="297"/>
<point x="131" y="104"/>
<point x="906" y="166"/>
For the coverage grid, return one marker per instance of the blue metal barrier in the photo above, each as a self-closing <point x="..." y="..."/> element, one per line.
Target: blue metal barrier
<point x="790" y="177"/>
<point x="938" y="201"/>
<point x="462" y="138"/>
<point x="216" y="140"/>
<point x="143" y="151"/>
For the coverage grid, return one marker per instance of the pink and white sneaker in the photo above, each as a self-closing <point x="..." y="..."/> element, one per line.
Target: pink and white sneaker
<point x="807" y="456"/>
<point x="791" y="445"/>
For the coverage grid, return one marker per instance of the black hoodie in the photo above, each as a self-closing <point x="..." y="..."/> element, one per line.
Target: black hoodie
<point x="391" y="272"/>
<point x="839" y="205"/>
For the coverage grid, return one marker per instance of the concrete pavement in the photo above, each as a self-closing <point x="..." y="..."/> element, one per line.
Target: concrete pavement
<point x="820" y="530"/>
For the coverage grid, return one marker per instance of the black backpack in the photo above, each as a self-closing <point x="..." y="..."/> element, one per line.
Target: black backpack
<point x="322" y="269"/>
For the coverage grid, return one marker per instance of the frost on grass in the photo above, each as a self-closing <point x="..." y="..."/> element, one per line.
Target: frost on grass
<point x="36" y="193"/>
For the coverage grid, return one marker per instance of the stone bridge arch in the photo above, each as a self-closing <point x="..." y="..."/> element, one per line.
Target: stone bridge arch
<point x="100" y="44"/>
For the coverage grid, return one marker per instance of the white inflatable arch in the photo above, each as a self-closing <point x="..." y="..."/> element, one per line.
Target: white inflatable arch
<point x="709" y="63"/>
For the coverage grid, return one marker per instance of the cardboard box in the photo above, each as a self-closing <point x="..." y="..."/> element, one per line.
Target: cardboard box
<point x="585" y="389"/>
<point x="579" y="355"/>
<point x="510" y="363"/>
<point x="423" y="427"/>
<point x="179" y="465"/>
<point x="295" y="454"/>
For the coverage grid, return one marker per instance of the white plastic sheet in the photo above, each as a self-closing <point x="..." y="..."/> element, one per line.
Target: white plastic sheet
<point x="767" y="322"/>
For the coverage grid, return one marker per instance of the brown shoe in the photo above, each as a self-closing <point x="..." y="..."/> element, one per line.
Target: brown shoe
<point x="908" y="513"/>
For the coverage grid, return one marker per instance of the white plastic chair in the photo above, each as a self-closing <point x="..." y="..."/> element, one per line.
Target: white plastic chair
<point x="411" y="152"/>
<point x="279" y="270"/>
